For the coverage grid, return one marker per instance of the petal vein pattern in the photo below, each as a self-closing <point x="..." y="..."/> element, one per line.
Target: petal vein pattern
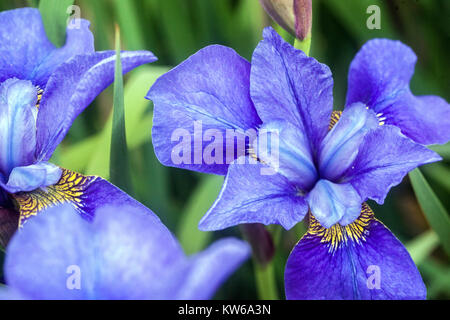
<point x="69" y="189"/>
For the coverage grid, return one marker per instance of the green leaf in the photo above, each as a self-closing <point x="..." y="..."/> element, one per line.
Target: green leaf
<point x="91" y="155"/>
<point x="352" y="14"/>
<point x="138" y="122"/>
<point x="101" y="14"/>
<point x="421" y="246"/>
<point x="176" y="27"/>
<point x="129" y="24"/>
<point x="119" y="169"/>
<point x="443" y="150"/>
<point x="439" y="278"/>
<point x="191" y="238"/>
<point x="54" y="15"/>
<point x="434" y="211"/>
<point x="439" y="173"/>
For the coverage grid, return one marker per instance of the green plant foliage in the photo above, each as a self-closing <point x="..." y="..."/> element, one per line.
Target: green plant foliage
<point x="435" y="212"/>
<point x="54" y="15"/>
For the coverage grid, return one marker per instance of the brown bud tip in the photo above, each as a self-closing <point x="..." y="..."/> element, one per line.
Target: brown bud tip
<point x="295" y="16"/>
<point x="303" y="18"/>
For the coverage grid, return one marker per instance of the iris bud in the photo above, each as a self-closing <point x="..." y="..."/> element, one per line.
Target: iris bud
<point x="295" y="16"/>
<point x="261" y="242"/>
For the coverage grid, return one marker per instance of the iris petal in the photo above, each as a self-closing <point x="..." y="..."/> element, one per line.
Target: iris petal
<point x="27" y="54"/>
<point x="125" y="253"/>
<point x="210" y="268"/>
<point x="210" y="88"/>
<point x="286" y="149"/>
<point x="17" y="124"/>
<point x="287" y="84"/>
<point x="32" y="177"/>
<point x="85" y="193"/>
<point x="254" y="193"/>
<point x="331" y="203"/>
<point x="74" y="85"/>
<point x="379" y="76"/>
<point x="47" y="245"/>
<point x="361" y="261"/>
<point x="384" y="158"/>
<point x="341" y="145"/>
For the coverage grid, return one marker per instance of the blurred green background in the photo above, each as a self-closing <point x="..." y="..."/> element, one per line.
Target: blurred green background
<point x="175" y="29"/>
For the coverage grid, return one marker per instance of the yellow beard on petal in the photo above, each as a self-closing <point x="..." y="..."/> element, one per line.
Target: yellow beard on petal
<point x="335" y="116"/>
<point x="40" y="92"/>
<point x="69" y="189"/>
<point x="338" y="235"/>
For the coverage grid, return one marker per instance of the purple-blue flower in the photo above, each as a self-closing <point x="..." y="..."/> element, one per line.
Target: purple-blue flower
<point x="297" y="162"/>
<point x="124" y="253"/>
<point x="288" y="97"/>
<point x="42" y="90"/>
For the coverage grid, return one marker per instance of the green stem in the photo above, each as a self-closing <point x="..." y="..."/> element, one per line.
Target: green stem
<point x="304" y="45"/>
<point x="265" y="281"/>
<point x="261" y="241"/>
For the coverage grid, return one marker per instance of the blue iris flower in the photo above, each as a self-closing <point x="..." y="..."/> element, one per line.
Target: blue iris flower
<point x="124" y="253"/>
<point x="324" y="163"/>
<point x="42" y="90"/>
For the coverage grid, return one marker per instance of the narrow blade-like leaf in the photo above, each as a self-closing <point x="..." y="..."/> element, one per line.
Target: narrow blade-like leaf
<point x="119" y="169"/>
<point x="435" y="212"/>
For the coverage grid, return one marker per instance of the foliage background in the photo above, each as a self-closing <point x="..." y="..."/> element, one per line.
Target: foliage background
<point x="175" y="29"/>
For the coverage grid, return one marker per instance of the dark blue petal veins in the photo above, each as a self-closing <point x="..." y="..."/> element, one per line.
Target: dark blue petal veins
<point x="287" y="84"/>
<point x="209" y="90"/>
<point x="363" y="260"/>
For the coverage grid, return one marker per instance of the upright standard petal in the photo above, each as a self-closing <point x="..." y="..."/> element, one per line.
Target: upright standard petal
<point x="331" y="203"/>
<point x="379" y="76"/>
<point x="254" y="193"/>
<point x="27" y="54"/>
<point x="17" y="124"/>
<point x="204" y="102"/>
<point x="339" y="148"/>
<point x="363" y="260"/>
<point x="72" y="87"/>
<point x="385" y="157"/>
<point x="287" y="84"/>
<point x="209" y="269"/>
